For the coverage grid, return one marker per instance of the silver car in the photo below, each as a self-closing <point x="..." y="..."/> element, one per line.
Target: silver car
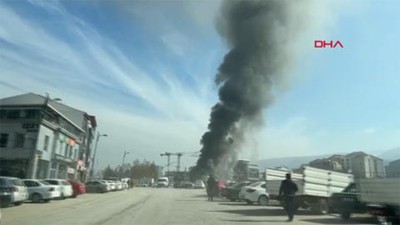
<point x="12" y="191"/>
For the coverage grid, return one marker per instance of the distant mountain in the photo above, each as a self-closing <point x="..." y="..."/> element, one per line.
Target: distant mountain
<point x="290" y="162"/>
<point x="390" y="155"/>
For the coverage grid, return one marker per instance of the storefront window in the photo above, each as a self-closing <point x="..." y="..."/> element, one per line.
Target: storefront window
<point x="4" y="140"/>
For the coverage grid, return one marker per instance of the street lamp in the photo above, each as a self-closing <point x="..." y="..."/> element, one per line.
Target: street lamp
<point x="95" y="150"/>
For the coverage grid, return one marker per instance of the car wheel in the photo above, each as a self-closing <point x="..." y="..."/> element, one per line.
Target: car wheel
<point x="46" y="200"/>
<point x="36" y="198"/>
<point x="74" y="196"/>
<point x="18" y="203"/>
<point x="263" y="200"/>
<point x="345" y="215"/>
<point x="99" y="190"/>
<point x="249" y="202"/>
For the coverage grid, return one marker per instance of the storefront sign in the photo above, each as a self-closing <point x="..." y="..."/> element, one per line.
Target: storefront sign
<point x="70" y="170"/>
<point x="63" y="158"/>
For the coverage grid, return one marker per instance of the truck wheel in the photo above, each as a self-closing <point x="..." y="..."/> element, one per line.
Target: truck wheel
<point x="323" y="207"/>
<point x="345" y="215"/>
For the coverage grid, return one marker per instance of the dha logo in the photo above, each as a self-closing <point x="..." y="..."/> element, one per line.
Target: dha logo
<point x="325" y="44"/>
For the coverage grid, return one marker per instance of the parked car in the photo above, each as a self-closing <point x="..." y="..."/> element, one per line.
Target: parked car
<point x="220" y="187"/>
<point x="199" y="184"/>
<point x="12" y="191"/>
<point x="255" y="192"/>
<point x="39" y="190"/>
<point x="77" y="187"/>
<point x="188" y="184"/>
<point x="118" y="185"/>
<point x="97" y="186"/>
<point x="232" y="192"/>
<point x="111" y="185"/>
<point x="66" y="188"/>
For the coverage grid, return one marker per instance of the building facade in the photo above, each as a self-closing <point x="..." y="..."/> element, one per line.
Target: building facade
<point x="41" y="138"/>
<point x="393" y="169"/>
<point x="363" y="165"/>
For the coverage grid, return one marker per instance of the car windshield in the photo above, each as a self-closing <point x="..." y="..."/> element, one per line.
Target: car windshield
<point x="155" y="107"/>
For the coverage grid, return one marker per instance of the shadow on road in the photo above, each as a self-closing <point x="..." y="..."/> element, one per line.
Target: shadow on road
<point x="264" y="212"/>
<point x="337" y="220"/>
<point x="253" y="221"/>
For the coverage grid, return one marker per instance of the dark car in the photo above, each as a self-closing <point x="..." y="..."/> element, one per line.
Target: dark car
<point x="347" y="202"/>
<point x="78" y="188"/>
<point x="232" y="192"/>
<point x="97" y="186"/>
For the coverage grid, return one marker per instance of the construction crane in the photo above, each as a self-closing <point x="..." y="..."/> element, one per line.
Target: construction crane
<point x="179" y="155"/>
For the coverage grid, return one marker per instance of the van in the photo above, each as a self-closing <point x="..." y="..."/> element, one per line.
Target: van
<point x="162" y="182"/>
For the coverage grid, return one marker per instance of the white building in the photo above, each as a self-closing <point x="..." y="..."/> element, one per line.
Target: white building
<point x="41" y="138"/>
<point x="363" y="165"/>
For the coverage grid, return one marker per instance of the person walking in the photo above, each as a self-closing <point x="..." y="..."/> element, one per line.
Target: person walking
<point x="211" y="185"/>
<point x="288" y="190"/>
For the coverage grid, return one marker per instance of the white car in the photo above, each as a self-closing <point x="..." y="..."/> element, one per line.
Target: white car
<point x="254" y="192"/>
<point x="66" y="188"/>
<point x="110" y="185"/>
<point x="118" y="185"/>
<point x="199" y="184"/>
<point x="39" y="190"/>
<point x="12" y="191"/>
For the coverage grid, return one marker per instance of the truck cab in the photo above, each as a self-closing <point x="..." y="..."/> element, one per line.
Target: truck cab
<point x="347" y="202"/>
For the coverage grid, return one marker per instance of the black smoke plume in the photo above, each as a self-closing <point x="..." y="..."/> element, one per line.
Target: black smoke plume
<point x="259" y="34"/>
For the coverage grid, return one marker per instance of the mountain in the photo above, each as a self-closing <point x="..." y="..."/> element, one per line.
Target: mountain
<point x="390" y="155"/>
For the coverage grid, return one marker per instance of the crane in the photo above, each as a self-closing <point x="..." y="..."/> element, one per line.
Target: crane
<point x="179" y="155"/>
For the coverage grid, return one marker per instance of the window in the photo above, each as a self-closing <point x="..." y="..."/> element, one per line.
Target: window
<point x="46" y="142"/>
<point x="19" y="140"/>
<point x="70" y="152"/>
<point x="66" y="150"/>
<point x="60" y="147"/>
<point x="32" y="113"/>
<point x="3" y="140"/>
<point x="13" y="114"/>
<point x="3" y="114"/>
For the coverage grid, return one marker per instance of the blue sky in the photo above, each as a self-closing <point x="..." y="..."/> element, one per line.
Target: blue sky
<point x="145" y="69"/>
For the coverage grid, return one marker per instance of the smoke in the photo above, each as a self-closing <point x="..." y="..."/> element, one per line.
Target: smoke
<point x="260" y="35"/>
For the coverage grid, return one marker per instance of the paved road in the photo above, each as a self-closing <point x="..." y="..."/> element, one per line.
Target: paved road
<point x="147" y="206"/>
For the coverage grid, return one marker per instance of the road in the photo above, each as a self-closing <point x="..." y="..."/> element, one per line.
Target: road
<point x="151" y="206"/>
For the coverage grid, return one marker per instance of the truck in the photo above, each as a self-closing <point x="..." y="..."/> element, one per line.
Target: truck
<point x="315" y="186"/>
<point x="378" y="196"/>
<point x="382" y="198"/>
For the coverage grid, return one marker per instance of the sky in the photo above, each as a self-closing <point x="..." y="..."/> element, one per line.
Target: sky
<point x="146" y="70"/>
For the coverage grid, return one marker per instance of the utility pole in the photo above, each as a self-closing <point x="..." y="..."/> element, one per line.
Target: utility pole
<point x="123" y="160"/>
<point x="94" y="153"/>
<point x="178" y="166"/>
<point x="168" y="154"/>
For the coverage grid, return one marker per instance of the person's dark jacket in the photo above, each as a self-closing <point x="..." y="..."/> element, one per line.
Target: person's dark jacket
<point x="288" y="188"/>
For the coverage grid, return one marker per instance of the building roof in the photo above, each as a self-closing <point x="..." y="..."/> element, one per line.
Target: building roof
<point x="31" y="99"/>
